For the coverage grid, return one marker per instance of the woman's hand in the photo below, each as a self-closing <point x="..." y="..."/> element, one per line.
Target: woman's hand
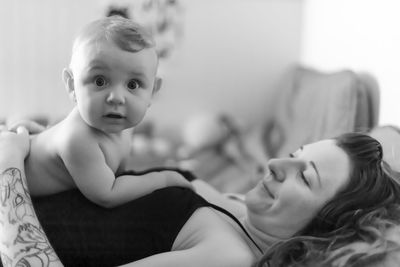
<point x="32" y="126"/>
<point x="12" y="143"/>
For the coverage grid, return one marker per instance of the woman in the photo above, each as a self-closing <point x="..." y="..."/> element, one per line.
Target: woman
<point x="325" y="189"/>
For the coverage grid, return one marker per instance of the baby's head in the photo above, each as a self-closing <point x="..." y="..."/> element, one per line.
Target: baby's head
<point x="112" y="73"/>
<point x="122" y="32"/>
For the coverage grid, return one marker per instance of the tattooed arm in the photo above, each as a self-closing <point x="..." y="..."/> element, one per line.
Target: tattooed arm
<point x="22" y="239"/>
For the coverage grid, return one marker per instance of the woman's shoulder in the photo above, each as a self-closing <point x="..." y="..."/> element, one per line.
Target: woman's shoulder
<point x="209" y="230"/>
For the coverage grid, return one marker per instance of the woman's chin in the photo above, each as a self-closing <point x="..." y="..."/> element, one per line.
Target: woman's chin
<point x="258" y="199"/>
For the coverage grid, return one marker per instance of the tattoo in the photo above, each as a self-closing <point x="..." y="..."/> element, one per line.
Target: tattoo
<point x="22" y="240"/>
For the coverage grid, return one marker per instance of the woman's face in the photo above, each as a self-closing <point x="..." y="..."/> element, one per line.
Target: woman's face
<point x="297" y="187"/>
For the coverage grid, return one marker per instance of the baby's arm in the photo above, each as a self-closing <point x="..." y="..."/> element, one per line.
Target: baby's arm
<point x="86" y="163"/>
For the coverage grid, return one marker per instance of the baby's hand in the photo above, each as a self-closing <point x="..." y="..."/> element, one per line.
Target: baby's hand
<point x="176" y="179"/>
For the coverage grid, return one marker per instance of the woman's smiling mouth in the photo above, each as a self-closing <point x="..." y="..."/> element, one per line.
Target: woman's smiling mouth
<point x="264" y="184"/>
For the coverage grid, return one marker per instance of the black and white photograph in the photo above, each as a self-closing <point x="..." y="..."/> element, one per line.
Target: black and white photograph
<point x="199" y="133"/>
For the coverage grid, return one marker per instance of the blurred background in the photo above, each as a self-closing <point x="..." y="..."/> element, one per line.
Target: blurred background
<point x="216" y="55"/>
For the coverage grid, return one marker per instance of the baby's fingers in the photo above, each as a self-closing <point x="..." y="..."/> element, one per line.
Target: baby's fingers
<point x="188" y="184"/>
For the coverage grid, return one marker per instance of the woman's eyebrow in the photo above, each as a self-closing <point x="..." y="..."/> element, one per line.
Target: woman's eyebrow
<point x="317" y="172"/>
<point x="312" y="163"/>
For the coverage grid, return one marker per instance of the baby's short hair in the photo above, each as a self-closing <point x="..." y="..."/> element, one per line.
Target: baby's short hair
<point x="125" y="33"/>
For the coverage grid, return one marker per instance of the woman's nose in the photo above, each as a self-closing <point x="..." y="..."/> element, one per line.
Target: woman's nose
<point x="116" y="97"/>
<point x="282" y="168"/>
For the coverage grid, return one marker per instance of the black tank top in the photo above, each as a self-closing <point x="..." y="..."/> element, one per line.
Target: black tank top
<point x="84" y="234"/>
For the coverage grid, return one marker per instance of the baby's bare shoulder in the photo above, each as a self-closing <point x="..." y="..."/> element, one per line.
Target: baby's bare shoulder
<point x="63" y="136"/>
<point x="77" y="139"/>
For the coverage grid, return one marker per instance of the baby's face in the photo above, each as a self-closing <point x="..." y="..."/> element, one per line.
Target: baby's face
<point x="113" y="87"/>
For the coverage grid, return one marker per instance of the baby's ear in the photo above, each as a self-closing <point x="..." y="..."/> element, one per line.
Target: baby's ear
<point x="157" y="85"/>
<point x="68" y="79"/>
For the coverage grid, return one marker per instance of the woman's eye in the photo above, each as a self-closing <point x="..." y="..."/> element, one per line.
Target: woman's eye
<point x="99" y="81"/>
<point x="133" y="84"/>
<point x="304" y="179"/>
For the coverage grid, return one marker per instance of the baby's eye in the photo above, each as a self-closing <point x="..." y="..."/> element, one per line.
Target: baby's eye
<point x="133" y="84"/>
<point x="99" y="81"/>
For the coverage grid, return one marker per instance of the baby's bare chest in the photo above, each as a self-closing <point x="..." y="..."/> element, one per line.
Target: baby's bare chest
<point x="116" y="152"/>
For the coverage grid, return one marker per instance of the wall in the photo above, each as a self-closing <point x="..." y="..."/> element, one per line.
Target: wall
<point x="362" y="35"/>
<point x="35" y="46"/>
<point x="230" y="59"/>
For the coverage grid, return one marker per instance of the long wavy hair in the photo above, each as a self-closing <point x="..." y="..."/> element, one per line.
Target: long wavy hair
<point x="360" y="211"/>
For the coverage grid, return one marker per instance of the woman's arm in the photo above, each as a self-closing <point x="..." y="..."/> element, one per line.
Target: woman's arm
<point x="200" y="256"/>
<point x="22" y="239"/>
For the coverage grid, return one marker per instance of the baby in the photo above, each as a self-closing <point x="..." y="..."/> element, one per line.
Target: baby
<point x="111" y="80"/>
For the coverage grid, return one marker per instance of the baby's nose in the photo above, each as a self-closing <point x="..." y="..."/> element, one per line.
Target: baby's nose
<point x="116" y="97"/>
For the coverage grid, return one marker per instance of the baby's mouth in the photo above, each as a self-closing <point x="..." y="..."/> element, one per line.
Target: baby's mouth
<point x="114" y="116"/>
